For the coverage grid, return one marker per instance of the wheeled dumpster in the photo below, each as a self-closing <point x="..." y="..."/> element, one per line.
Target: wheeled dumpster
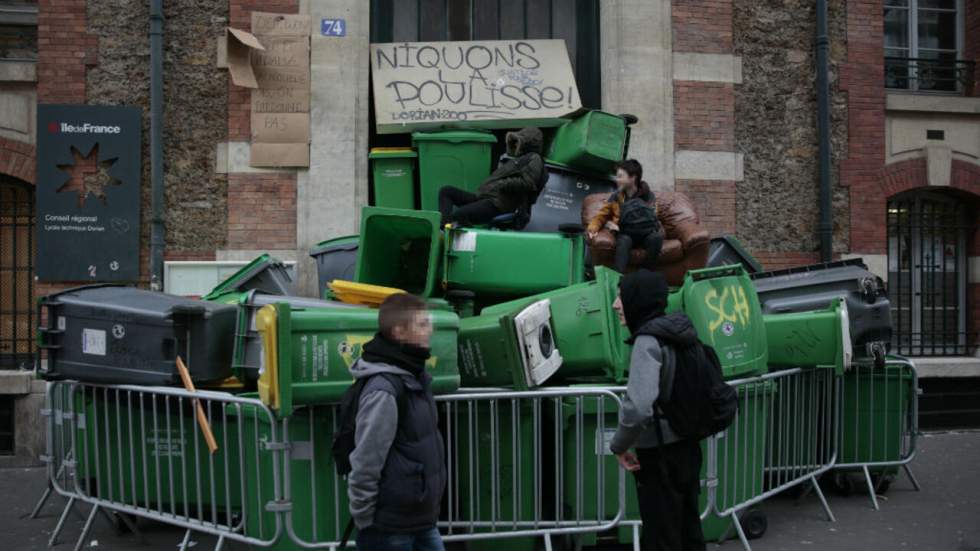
<point x="595" y="141"/>
<point x="335" y="259"/>
<point x="393" y="170"/>
<point x="512" y="264"/>
<point x="308" y="352"/>
<point x="118" y="335"/>
<point x="400" y="249"/>
<point x="459" y="158"/>
<point x="266" y="274"/>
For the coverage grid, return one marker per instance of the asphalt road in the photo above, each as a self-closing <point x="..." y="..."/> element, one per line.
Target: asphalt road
<point x="944" y="516"/>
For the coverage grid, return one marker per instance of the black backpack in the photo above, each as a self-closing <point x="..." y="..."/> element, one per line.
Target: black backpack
<point x="694" y="399"/>
<point x="343" y="439"/>
<point x="637" y="217"/>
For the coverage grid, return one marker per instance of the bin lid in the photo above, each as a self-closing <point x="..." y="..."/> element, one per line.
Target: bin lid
<point x="346" y="243"/>
<point x="454" y="136"/>
<point x="364" y="294"/>
<point x="247" y="272"/>
<point x="392" y="153"/>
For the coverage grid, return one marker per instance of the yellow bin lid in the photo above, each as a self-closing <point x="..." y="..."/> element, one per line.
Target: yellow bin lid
<point x="361" y="293"/>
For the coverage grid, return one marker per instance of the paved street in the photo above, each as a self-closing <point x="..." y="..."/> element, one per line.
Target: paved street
<point x="945" y="516"/>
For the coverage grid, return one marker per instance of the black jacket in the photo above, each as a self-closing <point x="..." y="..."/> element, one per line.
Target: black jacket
<point x="519" y="180"/>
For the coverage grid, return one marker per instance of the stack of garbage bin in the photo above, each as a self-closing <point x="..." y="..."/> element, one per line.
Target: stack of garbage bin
<point x="511" y="309"/>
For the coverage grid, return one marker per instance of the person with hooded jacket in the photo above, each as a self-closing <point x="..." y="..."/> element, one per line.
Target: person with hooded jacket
<point x="515" y="184"/>
<point x="398" y="470"/>
<point x="666" y="468"/>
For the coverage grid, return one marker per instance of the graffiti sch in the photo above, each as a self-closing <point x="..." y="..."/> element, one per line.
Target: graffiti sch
<point x="732" y="307"/>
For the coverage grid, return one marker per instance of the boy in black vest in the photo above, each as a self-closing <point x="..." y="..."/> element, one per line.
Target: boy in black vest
<point x="667" y="468"/>
<point x="398" y="473"/>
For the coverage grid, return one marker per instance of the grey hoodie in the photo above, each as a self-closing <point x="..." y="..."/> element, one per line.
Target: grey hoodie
<point x="396" y="480"/>
<point x="636" y="425"/>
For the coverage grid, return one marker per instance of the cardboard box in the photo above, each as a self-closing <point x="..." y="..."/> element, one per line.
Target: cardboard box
<point x="281" y="100"/>
<point x="279" y="155"/>
<point x="239" y="46"/>
<point x="289" y="51"/>
<point x="271" y="78"/>
<point x="281" y="24"/>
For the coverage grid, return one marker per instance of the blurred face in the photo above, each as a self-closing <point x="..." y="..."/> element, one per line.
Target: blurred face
<point x="623" y="179"/>
<point x="618" y="307"/>
<point x="417" y="333"/>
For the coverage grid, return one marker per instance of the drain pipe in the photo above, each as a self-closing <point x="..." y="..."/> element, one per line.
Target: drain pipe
<point x="157" y="236"/>
<point x="825" y="227"/>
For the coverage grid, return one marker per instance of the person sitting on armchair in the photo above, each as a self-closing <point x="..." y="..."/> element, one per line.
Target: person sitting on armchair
<point x="631" y="213"/>
<point x="515" y="184"/>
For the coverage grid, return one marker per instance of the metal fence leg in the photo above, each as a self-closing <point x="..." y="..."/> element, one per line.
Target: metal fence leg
<point x="741" y="533"/>
<point x="42" y="501"/>
<point x="187" y="539"/>
<point x="88" y="527"/>
<point x="636" y="537"/>
<point x="131" y="525"/>
<point x="871" y="487"/>
<point x="220" y="544"/>
<point x="547" y="542"/>
<point x="823" y="500"/>
<point x="912" y="479"/>
<point x="61" y="522"/>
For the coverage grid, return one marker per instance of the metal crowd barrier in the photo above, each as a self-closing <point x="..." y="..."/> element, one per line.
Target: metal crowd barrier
<point x="140" y="451"/>
<point x="519" y="464"/>
<point x="880" y="422"/>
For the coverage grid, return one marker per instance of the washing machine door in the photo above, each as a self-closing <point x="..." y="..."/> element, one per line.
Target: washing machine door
<point x="539" y="353"/>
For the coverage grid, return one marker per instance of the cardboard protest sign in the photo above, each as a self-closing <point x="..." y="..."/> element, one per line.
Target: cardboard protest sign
<point x="239" y="44"/>
<point x="489" y="84"/>
<point x="281" y="104"/>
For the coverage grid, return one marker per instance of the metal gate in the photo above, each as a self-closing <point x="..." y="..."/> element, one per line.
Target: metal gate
<point x="16" y="273"/>
<point x="927" y="274"/>
<point x="574" y="21"/>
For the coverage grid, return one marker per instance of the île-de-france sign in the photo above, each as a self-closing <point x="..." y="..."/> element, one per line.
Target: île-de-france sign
<point x="88" y="192"/>
<point x="483" y="84"/>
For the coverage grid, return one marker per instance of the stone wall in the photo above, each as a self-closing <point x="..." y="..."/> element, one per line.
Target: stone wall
<point x="195" y="111"/>
<point x="776" y="125"/>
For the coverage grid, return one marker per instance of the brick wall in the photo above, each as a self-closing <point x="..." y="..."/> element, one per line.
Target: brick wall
<point x="64" y="49"/>
<point x="704" y="116"/>
<point x="971" y="39"/>
<point x="715" y="201"/>
<point x="862" y="77"/>
<point x="261" y="211"/>
<point x="702" y="26"/>
<point x="777" y="260"/>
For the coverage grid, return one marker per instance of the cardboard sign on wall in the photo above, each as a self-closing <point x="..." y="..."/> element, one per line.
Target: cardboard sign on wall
<point x="488" y="84"/>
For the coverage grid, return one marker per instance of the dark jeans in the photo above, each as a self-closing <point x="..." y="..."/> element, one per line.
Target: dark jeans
<point x="667" y="486"/>
<point x="458" y="205"/>
<point x="652" y="242"/>
<point x="374" y="540"/>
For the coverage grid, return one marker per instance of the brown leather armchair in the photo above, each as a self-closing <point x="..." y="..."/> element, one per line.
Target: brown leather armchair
<point x="686" y="242"/>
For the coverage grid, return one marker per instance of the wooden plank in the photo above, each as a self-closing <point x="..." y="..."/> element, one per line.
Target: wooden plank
<point x="432" y="20"/>
<point x="512" y="19"/>
<point x="486" y="23"/>
<point x="538" y="14"/>
<point x="406" y="21"/>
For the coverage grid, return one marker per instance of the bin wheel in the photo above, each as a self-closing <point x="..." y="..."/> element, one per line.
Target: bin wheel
<point x="754" y="523"/>
<point x="842" y="484"/>
<point x="878" y="352"/>
<point x="881" y="483"/>
<point x="571" y="229"/>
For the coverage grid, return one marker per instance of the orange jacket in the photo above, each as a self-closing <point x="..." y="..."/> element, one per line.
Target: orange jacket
<point x="610" y="211"/>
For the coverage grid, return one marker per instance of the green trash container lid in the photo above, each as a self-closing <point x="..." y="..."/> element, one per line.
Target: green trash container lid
<point x="250" y="270"/>
<point x="454" y="136"/>
<point x="392" y="153"/>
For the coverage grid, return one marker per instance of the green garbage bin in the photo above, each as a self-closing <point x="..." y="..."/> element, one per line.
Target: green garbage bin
<point x="593" y="142"/>
<point x="497" y="454"/>
<point x="877" y="403"/>
<point x="512" y="264"/>
<point x="740" y="475"/>
<point x="393" y="169"/>
<point x="266" y="273"/>
<point x="401" y="249"/>
<point x="147" y="451"/>
<point x="320" y="508"/>
<point x="820" y="338"/>
<point x="308" y="352"/>
<point x="459" y="158"/>
<point x="567" y="335"/>
<point x="723" y="305"/>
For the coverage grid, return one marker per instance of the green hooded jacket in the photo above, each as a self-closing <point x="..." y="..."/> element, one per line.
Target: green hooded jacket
<point x="519" y="180"/>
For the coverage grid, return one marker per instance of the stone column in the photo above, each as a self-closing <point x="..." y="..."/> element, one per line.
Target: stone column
<point x="637" y="78"/>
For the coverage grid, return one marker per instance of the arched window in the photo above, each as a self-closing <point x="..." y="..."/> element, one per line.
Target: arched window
<point x="16" y="273"/>
<point x="927" y="273"/>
